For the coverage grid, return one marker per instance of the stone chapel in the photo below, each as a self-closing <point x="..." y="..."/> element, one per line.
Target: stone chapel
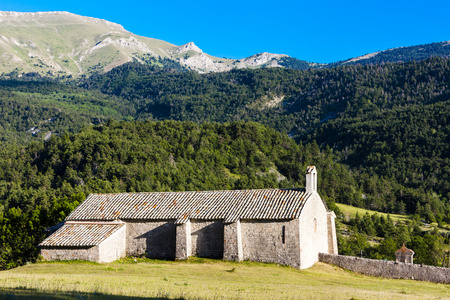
<point x="285" y="226"/>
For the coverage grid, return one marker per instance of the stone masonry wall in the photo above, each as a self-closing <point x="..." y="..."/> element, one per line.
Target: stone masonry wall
<point x="263" y="241"/>
<point x="91" y="253"/>
<point x="207" y="238"/>
<point x="156" y="239"/>
<point x="388" y="269"/>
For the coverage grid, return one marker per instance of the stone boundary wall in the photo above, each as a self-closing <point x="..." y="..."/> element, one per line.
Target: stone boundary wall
<point x="388" y="269"/>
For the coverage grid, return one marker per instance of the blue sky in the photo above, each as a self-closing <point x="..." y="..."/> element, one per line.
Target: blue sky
<point x="316" y="31"/>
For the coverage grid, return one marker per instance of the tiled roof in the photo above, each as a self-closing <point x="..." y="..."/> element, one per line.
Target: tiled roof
<point x="75" y="234"/>
<point x="405" y="250"/>
<point x="181" y="206"/>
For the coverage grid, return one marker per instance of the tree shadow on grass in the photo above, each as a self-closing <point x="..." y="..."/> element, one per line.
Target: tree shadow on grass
<point x="28" y="294"/>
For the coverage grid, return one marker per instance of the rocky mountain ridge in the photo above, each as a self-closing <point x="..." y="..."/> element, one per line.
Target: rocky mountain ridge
<point x="62" y="44"/>
<point x="65" y="44"/>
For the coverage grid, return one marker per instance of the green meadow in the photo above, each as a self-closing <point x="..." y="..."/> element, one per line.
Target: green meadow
<point x="351" y="211"/>
<point x="203" y="279"/>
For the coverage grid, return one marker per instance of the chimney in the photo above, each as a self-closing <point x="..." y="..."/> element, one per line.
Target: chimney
<point x="311" y="179"/>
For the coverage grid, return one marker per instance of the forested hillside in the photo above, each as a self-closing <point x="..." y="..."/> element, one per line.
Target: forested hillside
<point x="388" y="122"/>
<point x="379" y="134"/>
<point x="404" y="154"/>
<point x="401" y="54"/>
<point x="287" y="100"/>
<point x="32" y="108"/>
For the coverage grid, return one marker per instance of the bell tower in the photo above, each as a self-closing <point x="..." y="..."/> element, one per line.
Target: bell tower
<point x="311" y="180"/>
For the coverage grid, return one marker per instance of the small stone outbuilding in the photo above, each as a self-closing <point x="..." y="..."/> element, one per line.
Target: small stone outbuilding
<point x="404" y="255"/>
<point x="285" y="226"/>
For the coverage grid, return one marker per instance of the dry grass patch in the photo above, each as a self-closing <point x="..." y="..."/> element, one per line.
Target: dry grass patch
<point x="206" y="279"/>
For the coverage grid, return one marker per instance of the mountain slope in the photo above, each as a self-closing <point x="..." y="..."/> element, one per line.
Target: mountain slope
<point x="61" y="43"/>
<point x="64" y="43"/>
<point x="36" y="110"/>
<point x="398" y="172"/>
<point x="401" y="54"/>
<point x="303" y="103"/>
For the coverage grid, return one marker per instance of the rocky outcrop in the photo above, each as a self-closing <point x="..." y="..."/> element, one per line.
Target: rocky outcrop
<point x="131" y="43"/>
<point x="202" y="62"/>
<point x="260" y="59"/>
<point x="188" y="47"/>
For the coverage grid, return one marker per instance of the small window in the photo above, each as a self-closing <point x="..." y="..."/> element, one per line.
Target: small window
<point x="314" y="182"/>
<point x="315" y="225"/>
<point x="283" y="234"/>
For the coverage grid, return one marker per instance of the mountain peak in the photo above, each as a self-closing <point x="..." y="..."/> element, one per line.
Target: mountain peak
<point x="188" y="47"/>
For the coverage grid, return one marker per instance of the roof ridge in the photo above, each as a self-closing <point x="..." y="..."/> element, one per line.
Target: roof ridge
<point x="209" y="191"/>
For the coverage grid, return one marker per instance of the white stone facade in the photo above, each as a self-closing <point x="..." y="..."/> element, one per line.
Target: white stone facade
<point x="313" y="231"/>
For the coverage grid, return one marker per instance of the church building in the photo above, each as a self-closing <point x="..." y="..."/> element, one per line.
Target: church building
<point x="285" y="226"/>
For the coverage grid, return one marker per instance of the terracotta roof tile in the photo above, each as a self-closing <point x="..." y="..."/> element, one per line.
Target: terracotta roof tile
<point x="405" y="250"/>
<point x="76" y="234"/>
<point x="206" y="205"/>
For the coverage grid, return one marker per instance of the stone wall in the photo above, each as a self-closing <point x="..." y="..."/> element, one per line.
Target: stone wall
<point x="207" y="238"/>
<point x="70" y="253"/>
<point x="156" y="239"/>
<point x="388" y="269"/>
<point x="271" y="241"/>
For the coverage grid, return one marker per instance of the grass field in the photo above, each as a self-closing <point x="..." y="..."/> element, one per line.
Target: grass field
<point x="352" y="211"/>
<point x="203" y="279"/>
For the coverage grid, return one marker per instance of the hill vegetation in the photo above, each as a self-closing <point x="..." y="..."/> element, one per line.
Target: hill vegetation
<point x="401" y="54"/>
<point x="369" y="116"/>
<point x="30" y="109"/>
<point x="379" y="134"/>
<point x="376" y="236"/>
